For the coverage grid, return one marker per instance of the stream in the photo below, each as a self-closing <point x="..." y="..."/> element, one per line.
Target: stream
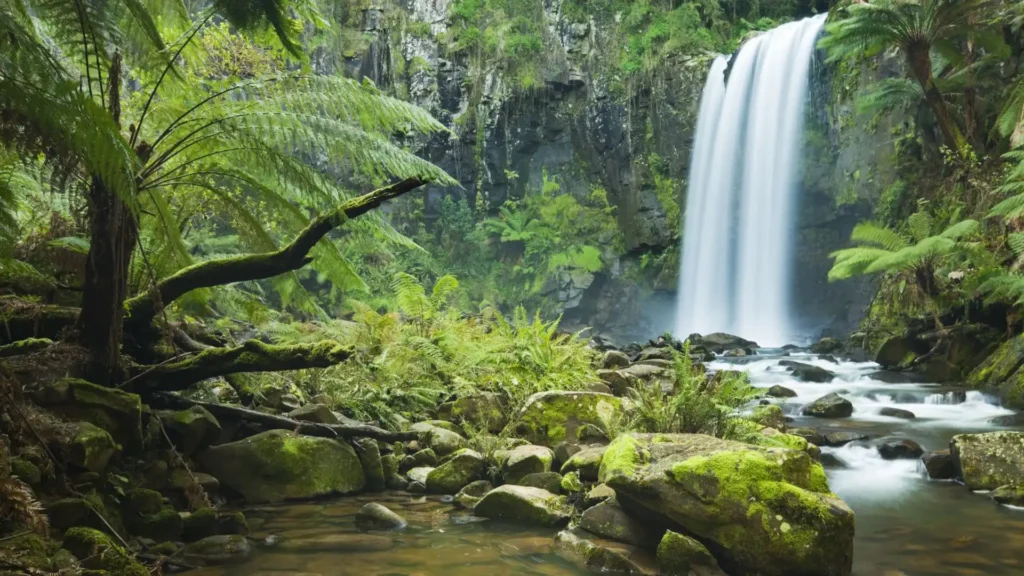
<point x="907" y="525"/>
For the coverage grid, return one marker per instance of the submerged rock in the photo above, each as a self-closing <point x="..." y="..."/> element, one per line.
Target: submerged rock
<point x="463" y="467"/>
<point x="218" y="550"/>
<point x="897" y="413"/>
<point x="601" y="556"/>
<point x="763" y="511"/>
<point x="1009" y="495"/>
<point x="378" y="515"/>
<point x="275" y="466"/>
<point x="939" y="465"/>
<point x="988" y="461"/>
<point x="523" y="505"/>
<point x="680" y="555"/>
<point x="548" y="418"/>
<point x="829" y="406"/>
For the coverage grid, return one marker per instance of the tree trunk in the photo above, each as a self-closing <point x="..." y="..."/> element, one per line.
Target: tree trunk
<point x="921" y="63"/>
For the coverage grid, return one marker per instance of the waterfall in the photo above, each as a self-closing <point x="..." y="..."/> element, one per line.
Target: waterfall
<point x="737" y="242"/>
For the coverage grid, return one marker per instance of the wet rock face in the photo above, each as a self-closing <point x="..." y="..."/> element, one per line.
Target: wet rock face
<point x="989" y="461"/>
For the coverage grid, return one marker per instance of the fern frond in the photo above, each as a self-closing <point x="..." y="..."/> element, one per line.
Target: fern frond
<point x="872" y="233"/>
<point x="920" y="224"/>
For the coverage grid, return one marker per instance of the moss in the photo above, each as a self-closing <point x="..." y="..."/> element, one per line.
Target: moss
<point x="523" y="505"/>
<point x="551" y="417"/>
<point x="199" y="525"/>
<point x="571" y="484"/>
<point x="143" y="501"/>
<point x="91" y="448"/>
<point x="623" y="457"/>
<point x="1000" y="365"/>
<point x="27" y="346"/>
<point x="117" y="412"/>
<point x="166" y="525"/>
<point x="680" y="555"/>
<point x="26" y="471"/>
<point x="97" y="551"/>
<point x="463" y="467"/>
<point x="31" y="550"/>
<point x="769" y="415"/>
<point x="233" y="523"/>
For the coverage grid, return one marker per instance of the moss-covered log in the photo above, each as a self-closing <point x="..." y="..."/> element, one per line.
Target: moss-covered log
<point x="271" y="421"/>
<point x="27" y="346"/>
<point x="143" y="308"/>
<point x="253" y="356"/>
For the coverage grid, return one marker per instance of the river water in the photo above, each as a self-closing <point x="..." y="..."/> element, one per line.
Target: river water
<point x="907" y="525"/>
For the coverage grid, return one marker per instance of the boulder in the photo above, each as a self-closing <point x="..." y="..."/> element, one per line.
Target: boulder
<point x="897" y="413"/>
<point x="98" y="552"/>
<point x="719" y="342"/>
<point x="276" y="465"/>
<point x="586" y="463"/>
<point x="485" y="411"/>
<point x="550" y="481"/>
<point x="737" y="353"/>
<point x="369" y="457"/>
<point x="654" y="353"/>
<point x="1009" y="495"/>
<point x="468" y="497"/>
<point x="899" y="449"/>
<point x="564" y="451"/>
<point x="443" y="442"/>
<point x="164" y="526"/>
<point x="900" y="351"/>
<point x="548" y="418"/>
<point x="769" y="415"/>
<point x="378" y="515"/>
<point x="198" y="525"/>
<point x="218" y="550"/>
<point x="316" y="413"/>
<point x="777" y="391"/>
<point x="117" y="412"/>
<point x="617" y="381"/>
<point x="184" y="480"/>
<point x="525" y="460"/>
<point x="426" y="425"/>
<point x="763" y="511"/>
<point x="463" y="467"/>
<point x="425" y="457"/>
<point x="609" y="520"/>
<point x="91" y="447"/>
<point x="827" y="346"/>
<point x="614" y="359"/>
<point x="829" y="406"/>
<point x="842" y="438"/>
<point x="601" y="556"/>
<point x="680" y="555"/>
<point x="191" y="430"/>
<point x="598" y="494"/>
<point x="419" y="475"/>
<point x="939" y="465"/>
<point x="807" y="372"/>
<point x="988" y="461"/>
<point x="523" y="505"/>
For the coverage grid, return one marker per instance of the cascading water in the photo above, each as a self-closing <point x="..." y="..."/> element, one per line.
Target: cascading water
<point x="738" y="234"/>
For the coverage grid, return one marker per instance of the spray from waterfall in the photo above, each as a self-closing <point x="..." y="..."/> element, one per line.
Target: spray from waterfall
<point x="737" y="247"/>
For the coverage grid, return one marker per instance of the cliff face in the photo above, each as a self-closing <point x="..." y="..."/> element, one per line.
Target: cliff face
<point x="579" y="121"/>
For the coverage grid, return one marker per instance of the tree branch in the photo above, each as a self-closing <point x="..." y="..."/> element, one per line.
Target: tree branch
<point x="252" y="356"/>
<point x="222" y="411"/>
<point x="144" y="307"/>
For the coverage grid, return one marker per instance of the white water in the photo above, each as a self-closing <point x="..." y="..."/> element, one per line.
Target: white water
<point x="738" y="232"/>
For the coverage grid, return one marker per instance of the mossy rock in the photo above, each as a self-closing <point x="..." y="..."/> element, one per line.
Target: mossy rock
<point x="769" y="415"/>
<point x="523" y="505"/>
<point x="550" y="481"/>
<point x="680" y="555"/>
<point x="827" y="346"/>
<point x="218" y="550"/>
<point x="570" y="483"/>
<point x="113" y="410"/>
<point x="759" y="510"/>
<point x="97" y="551"/>
<point x="91" y="447"/>
<point x="602" y="556"/>
<point x="277" y="465"/>
<point x="369" y="455"/>
<point x="420" y="458"/>
<point x="988" y="461"/>
<point x="1009" y="495"/>
<point x="200" y="524"/>
<point x="442" y="441"/>
<point x="548" y="418"/>
<point x="32" y="551"/>
<point x="468" y="497"/>
<point x="484" y="411"/>
<point x="140" y="501"/>
<point x="900" y="351"/>
<point x="26" y="471"/>
<point x="999" y="366"/>
<point x="524" y="460"/>
<point x="191" y="430"/>
<point x="460" y="469"/>
<point x="609" y="520"/>
<point x="164" y="526"/>
<point x="26" y="346"/>
<point x="586" y="463"/>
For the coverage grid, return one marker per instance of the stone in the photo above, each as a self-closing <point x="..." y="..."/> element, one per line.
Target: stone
<point x="425" y="457"/>
<point x="117" y="412"/>
<point x="419" y="474"/>
<point x="548" y="418"/>
<point x="564" y="451"/>
<point x="523" y="505"/>
<point x="736" y="353"/>
<point x="140" y="501"/>
<point x="164" y="526"/>
<point x="614" y="359"/>
<point x="808" y="434"/>
<point x="468" y="497"/>
<point x="1009" y="495"/>
<point x="191" y="430"/>
<point x="899" y="449"/>
<point x="602" y="556"/>
<point x="426" y="425"/>
<point x="183" y="481"/>
<point x="598" y="494"/>
<point x="770" y="416"/>
<point x="827" y="346"/>
<point x="1001" y="371"/>
<point x="1010" y="420"/>
<point x="218" y="550"/>
<point x="681" y="555"/>
<point x="654" y="353"/>
<point x="586" y="463"/>
<point x="525" y="460"/>
<point x="97" y="551"/>
<point x="276" y="465"/>
<point x="463" y="467"/>
<point x="988" y="461"/>
<point x="380" y="516"/>
<point x="91" y="447"/>
<point x="807" y="372"/>
<point x="232" y="523"/>
<point x="617" y="381"/>
<point x="443" y="442"/>
<point x="199" y="524"/>
<point x="777" y="391"/>
<point x="719" y="342"/>
<point x="369" y="456"/>
<point x="897" y="413"/>
<point x="70" y="512"/>
<point x="486" y="411"/>
<point x="599" y="387"/>
<point x="829" y="406"/>
<point x="550" y="481"/>
<point x="765" y="511"/>
<point x="900" y="351"/>
<point x="154" y="475"/>
<point x="316" y="413"/>
<point x="609" y="520"/>
<point x="26" y="471"/>
<point x="939" y="465"/>
<point x="836" y="439"/>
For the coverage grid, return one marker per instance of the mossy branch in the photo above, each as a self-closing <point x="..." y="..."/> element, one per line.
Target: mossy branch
<point x="252" y="356"/>
<point x="144" y="307"/>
